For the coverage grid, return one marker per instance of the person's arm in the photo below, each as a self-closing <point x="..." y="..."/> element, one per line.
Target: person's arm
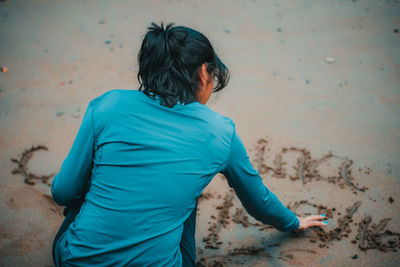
<point x="72" y="181"/>
<point x="255" y="197"/>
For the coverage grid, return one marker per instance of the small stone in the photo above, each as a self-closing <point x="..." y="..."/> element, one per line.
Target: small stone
<point x="70" y="81"/>
<point x="396" y="30"/>
<point x="355" y="257"/>
<point x="102" y="21"/>
<point x="279" y="29"/>
<point x="60" y="113"/>
<point x="391" y="200"/>
<point x="227" y="31"/>
<point x="330" y="60"/>
<point x="107" y="41"/>
<point x="62" y="83"/>
<point x="307" y="81"/>
<point x="4" y="69"/>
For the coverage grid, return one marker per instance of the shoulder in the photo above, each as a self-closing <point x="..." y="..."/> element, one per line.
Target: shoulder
<point x="105" y="106"/>
<point x="220" y="128"/>
<point x="220" y="122"/>
<point x="107" y="98"/>
<point x="115" y="100"/>
<point x="226" y="124"/>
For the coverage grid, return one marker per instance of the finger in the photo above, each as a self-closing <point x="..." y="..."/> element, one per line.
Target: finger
<point x="316" y="223"/>
<point x="315" y="218"/>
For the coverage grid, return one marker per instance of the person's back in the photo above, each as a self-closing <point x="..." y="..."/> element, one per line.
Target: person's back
<point x="150" y="165"/>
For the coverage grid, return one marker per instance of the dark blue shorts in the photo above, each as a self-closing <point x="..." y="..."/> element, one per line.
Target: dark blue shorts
<point x="187" y="245"/>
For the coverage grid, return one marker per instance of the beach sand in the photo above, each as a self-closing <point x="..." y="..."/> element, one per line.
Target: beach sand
<point x="314" y="94"/>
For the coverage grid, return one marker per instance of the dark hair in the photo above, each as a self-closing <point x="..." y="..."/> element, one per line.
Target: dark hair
<point x="170" y="60"/>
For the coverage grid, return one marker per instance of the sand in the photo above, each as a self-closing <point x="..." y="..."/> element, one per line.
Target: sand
<point x="316" y="81"/>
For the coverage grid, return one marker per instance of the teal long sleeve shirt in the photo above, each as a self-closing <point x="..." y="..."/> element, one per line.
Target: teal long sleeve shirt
<point x="140" y="168"/>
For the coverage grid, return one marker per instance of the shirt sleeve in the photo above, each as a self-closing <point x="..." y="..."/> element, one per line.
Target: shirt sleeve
<point x="256" y="198"/>
<point x="72" y="181"/>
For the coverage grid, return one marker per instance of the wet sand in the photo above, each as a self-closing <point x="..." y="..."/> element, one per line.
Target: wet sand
<point x="314" y="94"/>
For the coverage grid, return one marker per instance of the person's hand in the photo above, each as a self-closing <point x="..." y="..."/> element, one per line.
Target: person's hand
<point x="313" y="220"/>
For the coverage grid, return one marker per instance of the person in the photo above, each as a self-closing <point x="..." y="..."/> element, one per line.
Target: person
<point x="141" y="158"/>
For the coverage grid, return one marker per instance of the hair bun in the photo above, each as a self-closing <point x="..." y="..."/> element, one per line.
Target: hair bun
<point x="160" y="28"/>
